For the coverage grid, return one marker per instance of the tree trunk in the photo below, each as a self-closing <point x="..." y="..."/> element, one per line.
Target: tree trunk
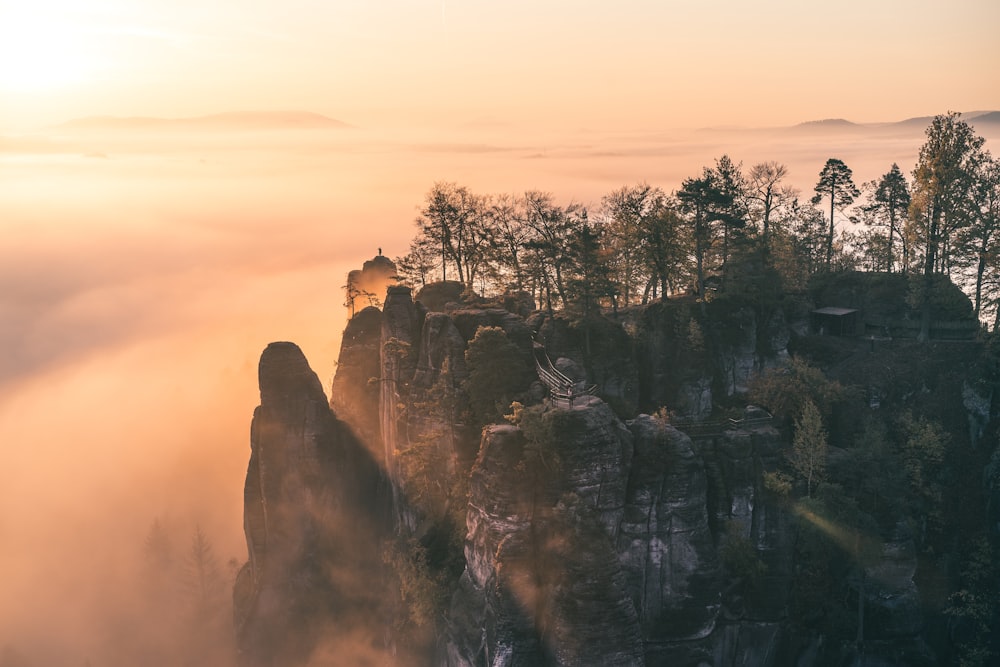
<point x="829" y="236"/>
<point x="980" y="270"/>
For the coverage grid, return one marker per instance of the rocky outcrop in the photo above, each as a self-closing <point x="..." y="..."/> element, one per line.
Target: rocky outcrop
<point x="543" y="578"/>
<point x="665" y="541"/>
<point x="588" y="540"/>
<point x="356" y="385"/>
<point x="366" y="287"/>
<point x="311" y="490"/>
<point x="589" y="544"/>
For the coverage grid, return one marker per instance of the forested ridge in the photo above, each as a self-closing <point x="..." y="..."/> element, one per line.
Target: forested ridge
<point x="726" y="222"/>
<point x="886" y="467"/>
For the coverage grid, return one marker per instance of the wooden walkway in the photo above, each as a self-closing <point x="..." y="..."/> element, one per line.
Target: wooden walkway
<point x="562" y="390"/>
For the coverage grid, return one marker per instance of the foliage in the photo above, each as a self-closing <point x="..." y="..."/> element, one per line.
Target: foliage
<point x="545" y="429"/>
<point x="809" y="446"/>
<point x="497" y="371"/>
<point x="975" y="607"/>
<point x="921" y="455"/>
<point x="514" y="416"/>
<point x="836" y="184"/>
<point x="777" y="483"/>
<point x="426" y="459"/>
<point x="423" y="593"/>
<point x="785" y="390"/>
<point x="739" y="556"/>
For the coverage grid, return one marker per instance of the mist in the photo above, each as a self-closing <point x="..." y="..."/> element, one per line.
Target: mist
<point x="142" y="272"/>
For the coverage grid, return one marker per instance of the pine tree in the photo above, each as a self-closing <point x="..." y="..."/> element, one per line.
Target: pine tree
<point x="888" y="203"/>
<point x="835" y="183"/>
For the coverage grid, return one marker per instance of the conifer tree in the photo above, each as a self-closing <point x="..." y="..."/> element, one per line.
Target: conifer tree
<point x="836" y="184"/>
<point x="888" y="202"/>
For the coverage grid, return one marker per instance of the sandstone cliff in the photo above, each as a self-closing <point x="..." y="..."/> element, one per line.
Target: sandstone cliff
<point x="583" y="534"/>
<point x="315" y="516"/>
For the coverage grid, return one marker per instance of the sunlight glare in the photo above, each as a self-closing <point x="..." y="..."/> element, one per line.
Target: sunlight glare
<point x="39" y="54"/>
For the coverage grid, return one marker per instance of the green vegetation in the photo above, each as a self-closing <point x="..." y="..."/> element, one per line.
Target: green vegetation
<point x="497" y="372"/>
<point x="809" y="446"/>
<point x="721" y="228"/>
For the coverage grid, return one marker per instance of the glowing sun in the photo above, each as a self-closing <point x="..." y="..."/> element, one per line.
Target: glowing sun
<point x="40" y="55"/>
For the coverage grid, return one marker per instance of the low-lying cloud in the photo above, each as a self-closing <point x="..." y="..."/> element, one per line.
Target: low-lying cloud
<point x="137" y="292"/>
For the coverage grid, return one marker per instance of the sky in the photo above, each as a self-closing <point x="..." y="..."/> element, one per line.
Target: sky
<point x="143" y="272"/>
<point x="638" y="64"/>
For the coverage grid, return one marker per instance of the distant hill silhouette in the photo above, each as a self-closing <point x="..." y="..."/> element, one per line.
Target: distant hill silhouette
<point x="827" y="123"/>
<point x="987" y="117"/>
<point x="235" y="120"/>
<point x="918" y="123"/>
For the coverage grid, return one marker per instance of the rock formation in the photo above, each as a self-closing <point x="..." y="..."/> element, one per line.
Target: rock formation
<point x="314" y="516"/>
<point x="591" y="534"/>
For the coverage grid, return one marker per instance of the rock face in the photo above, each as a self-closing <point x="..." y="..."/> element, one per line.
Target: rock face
<point x="665" y="542"/>
<point x="543" y="581"/>
<point x="591" y="548"/>
<point x="356" y="385"/>
<point x="311" y="490"/>
<point x="588" y="540"/>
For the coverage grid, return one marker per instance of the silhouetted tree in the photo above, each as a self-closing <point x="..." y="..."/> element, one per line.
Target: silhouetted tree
<point x="765" y="195"/>
<point x="626" y="213"/>
<point x="701" y="200"/>
<point x="979" y="238"/>
<point x="507" y="233"/>
<point x="731" y="208"/>
<point x="887" y="205"/>
<point x="667" y="251"/>
<point x="550" y="227"/>
<point x="942" y="185"/>
<point x="452" y="218"/>
<point x="836" y="184"/>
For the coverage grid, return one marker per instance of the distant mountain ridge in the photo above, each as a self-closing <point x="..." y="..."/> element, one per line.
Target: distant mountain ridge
<point x="981" y="119"/>
<point x="972" y="117"/>
<point x="235" y="120"/>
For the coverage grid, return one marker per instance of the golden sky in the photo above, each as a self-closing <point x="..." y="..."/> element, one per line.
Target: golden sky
<point x="141" y="275"/>
<point x="636" y="64"/>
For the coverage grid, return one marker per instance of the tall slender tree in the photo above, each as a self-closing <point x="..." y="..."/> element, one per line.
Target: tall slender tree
<point x="836" y="184"/>
<point x="981" y="237"/>
<point x="701" y="199"/>
<point x="764" y="192"/>
<point x="626" y="213"/>
<point x="732" y="205"/>
<point x="942" y="183"/>
<point x="888" y="203"/>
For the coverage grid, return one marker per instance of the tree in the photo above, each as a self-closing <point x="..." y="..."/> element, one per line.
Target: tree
<point x="979" y="239"/>
<point x="809" y="446"/>
<point x="888" y="203"/>
<point x="765" y="194"/>
<point x="786" y="390"/>
<point x="550" y="226"/>
<point x="922" y="454"/>
<point x="667" y="250"/>
<point x="507" y="233"/>
<point x="942" y="182"/>
<point x="415" y="267"/>
<point x="497" y="372"/>
<point x="836" y="184"/>
<point x="701" y="199"/>
<point x="627" y="213"/>
<point x="202" y="578"/>
<point x="732" y="205"/>
<point x="157" y="549"/>
<point x="452" y="219"/>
